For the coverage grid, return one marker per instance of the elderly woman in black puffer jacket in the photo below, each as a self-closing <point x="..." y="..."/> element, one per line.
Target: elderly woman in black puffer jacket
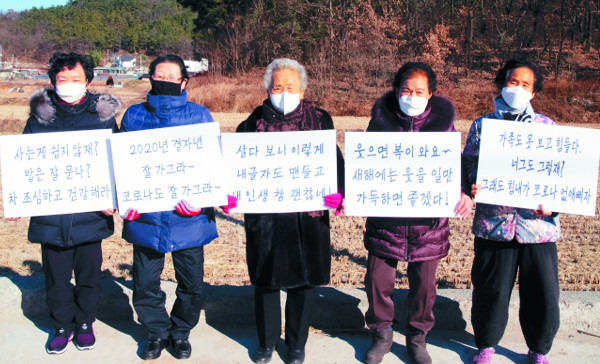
<point x="422" y="242"/>
<point x="71" y="243"/>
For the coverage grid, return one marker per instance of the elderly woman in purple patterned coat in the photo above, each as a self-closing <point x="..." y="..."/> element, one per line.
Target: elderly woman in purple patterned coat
<point x="410" y="107"/>
<point x="510" y="240"/>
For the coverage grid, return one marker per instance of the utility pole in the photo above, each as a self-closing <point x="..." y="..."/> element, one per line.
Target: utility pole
<point x="0" y="56"/>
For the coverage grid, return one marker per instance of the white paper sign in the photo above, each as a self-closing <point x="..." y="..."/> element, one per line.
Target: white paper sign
<point x="157" y="168"/>
<point x="525" y="165"/>
<point x="402" y="174"/>
<point x="56" y="173"/>
<point x="281" y="171"/>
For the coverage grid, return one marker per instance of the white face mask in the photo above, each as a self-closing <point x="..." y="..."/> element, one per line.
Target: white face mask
<point x="284" y="102"/>
<point x="516" y="97"/>
<point x="412" y="105"/>
<point x="70" y="92"/>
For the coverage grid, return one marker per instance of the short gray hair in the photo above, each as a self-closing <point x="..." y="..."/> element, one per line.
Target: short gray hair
<point x="285" y="63"/>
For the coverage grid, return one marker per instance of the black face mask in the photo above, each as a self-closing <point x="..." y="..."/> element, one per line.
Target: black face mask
<point x="165" y="88"/>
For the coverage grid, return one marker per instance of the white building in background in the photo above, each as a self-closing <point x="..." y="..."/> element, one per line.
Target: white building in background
<point x="126" y="62"/>
<point x="196" y="67"/>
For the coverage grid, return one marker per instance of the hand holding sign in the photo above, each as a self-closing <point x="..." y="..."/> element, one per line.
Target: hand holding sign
<point x="334" y="201"/>
<point x="231" y="204"/>
<point x="185" y="209"/>
<point x="131" y="214"/>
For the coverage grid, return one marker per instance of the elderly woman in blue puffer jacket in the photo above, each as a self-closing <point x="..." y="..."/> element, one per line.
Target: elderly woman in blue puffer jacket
<point x="183" y="232"/>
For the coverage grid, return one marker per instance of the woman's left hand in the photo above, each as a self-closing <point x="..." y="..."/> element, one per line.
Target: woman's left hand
<point x="108" y="212"/>
<point x="231" y="204"/>
<point x="464" y="206"/>
<point x="335" y="201"/>
<point x="542" y="212"/>
<point x="185" y="209"/>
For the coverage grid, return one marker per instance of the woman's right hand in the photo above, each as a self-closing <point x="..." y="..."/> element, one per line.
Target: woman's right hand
<point x="131" y="214"/>
<point x="475" y="189"/>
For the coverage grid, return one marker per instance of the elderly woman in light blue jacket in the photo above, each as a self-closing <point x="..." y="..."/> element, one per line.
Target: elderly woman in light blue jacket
<point x="511" y="241"/>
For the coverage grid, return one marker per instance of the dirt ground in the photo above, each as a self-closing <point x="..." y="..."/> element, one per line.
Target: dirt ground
<point x="578" y="250"/>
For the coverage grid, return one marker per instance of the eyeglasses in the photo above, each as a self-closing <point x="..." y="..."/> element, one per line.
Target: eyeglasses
<point x="169" y="78"/>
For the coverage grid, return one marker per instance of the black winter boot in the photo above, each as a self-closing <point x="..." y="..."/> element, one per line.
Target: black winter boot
<point x="416" y="347"/>
<point x="382" y="344"/>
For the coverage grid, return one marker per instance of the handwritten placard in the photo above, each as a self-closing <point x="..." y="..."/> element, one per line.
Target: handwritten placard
<point x="56" y="173"/>
<point x="281" y="171"/>
<point x="525" y="165"/>
<point x="157" y="168"/>
<point x="402" y="174"/>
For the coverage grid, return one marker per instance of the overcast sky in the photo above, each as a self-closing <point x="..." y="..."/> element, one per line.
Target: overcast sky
<point x="20" y="5"/>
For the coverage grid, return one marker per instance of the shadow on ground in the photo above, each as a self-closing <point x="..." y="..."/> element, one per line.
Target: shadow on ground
<point x="338" y="313"/>
<point x="114" y="308"/>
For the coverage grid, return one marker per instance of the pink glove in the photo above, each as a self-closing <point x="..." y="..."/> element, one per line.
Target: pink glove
<point x="231" y="204"/>
<point x="335" y="202"/>
<point x="185" y="209"/>
<point x="131" y="214"/>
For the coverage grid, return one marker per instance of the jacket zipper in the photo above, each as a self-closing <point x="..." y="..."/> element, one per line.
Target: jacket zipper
<point x="70" y="242"/>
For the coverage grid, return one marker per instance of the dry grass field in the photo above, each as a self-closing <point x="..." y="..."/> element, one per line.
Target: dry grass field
<point x="579" y="249"/>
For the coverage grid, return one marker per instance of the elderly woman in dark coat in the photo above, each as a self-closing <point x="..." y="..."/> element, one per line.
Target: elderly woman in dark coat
<point x="410" y="107"/>
<point x="287" y="250"/>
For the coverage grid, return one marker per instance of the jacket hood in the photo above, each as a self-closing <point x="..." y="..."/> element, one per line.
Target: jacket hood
<point x="43" y="105"/>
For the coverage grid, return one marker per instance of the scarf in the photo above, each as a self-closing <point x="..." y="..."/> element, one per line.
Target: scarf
<point x="303" y="118"/>
<point x="503" y="111"/>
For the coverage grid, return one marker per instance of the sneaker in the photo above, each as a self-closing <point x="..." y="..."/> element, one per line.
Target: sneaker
<point x="537" y="358"/>
<point x="84" y="337"/>
<point x="483" y="356"/>
<point x="59" y="342"/>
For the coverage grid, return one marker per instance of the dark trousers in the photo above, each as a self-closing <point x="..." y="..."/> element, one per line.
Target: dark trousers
<point x="149" y="299"/>
<point x="379" y="284"/>
<point x="298" y="308"/>
<point x="70" y="306"/>
<point x="494" y="271"/>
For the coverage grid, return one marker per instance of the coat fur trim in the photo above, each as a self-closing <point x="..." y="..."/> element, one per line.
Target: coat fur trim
<point x="107" y="106"/>
<point x="42" y="107"/>
<point x="384" y="115"/>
